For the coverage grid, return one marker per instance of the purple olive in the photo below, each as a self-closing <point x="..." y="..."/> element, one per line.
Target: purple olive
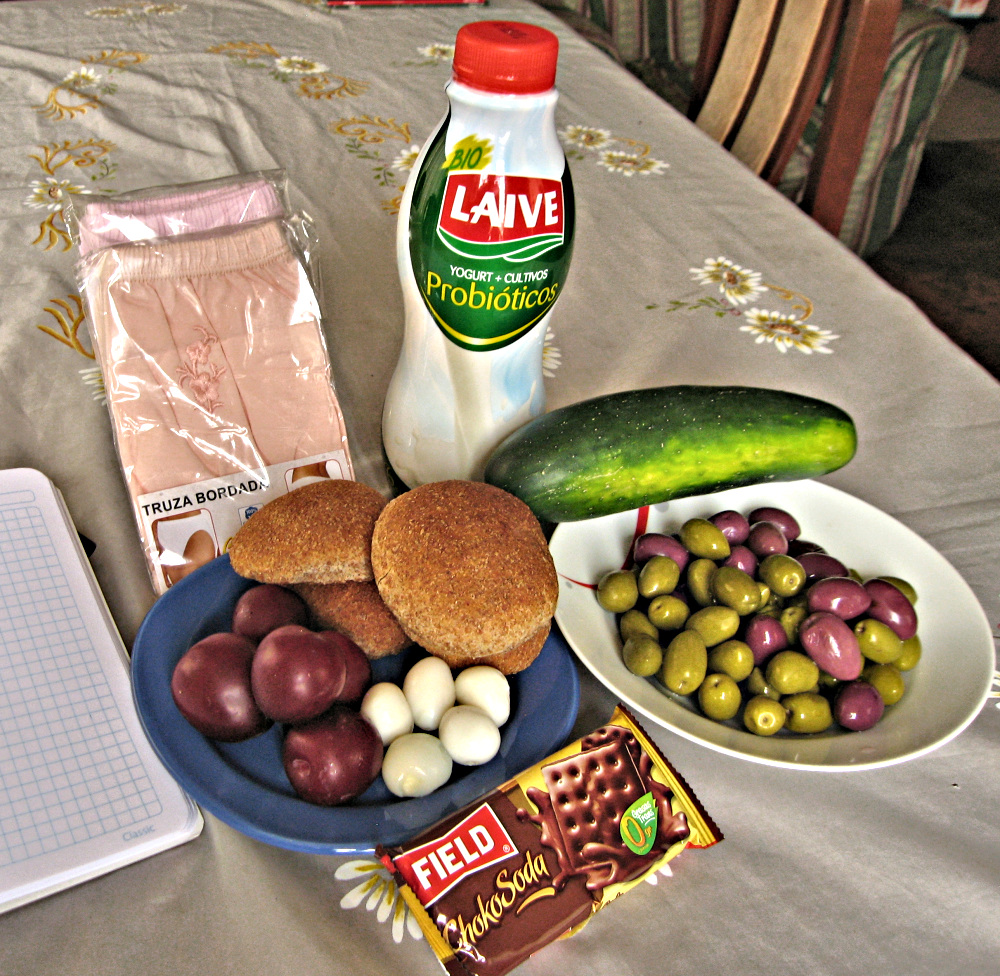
<point x="786" y="522"/>
<point x="842" y="595"/>
<point x="891" y="606"/>
<point x="799" y="547"/>
<point x="858" y="706"/>
<point x="657" y="544"/>
<point x="764" y="636"/>
<point x="742" y="558"/>
<point x="765" y="539"/>
<point x="819" y="565"/>
<point x="733" y="526"/>
<point x="832" y="645"/>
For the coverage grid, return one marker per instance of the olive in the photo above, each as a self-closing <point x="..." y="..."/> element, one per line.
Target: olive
<point x="820" y="565"/>
<point x="831" y="644"/>
<point x="703" y="539"/>
<point x="699" y="580"/>
<point x="733" y="525"/>
<point x="903" y="586"/>
<point x="719" y="697"/>
<point x="659" y="574"/>
<point x="841" y="595"/>
<point x="807" y="712"/>
<point x="741" y="558"/>
<point x="791" y="672"/>
<point x="891" y="606"/>
<point x="858" y="706"/>
<point x="765" y="635"/>
<point x="634" y="623"/>
<point x="765" y="538"/>
<point x="642" y="656"/>
<point x="791" y="618"/>
<point x="787" y="523"/>
<point x="887" y="680"/>
<point x="668" y="612"/>
<point x="734" y="588"/>
<point x="618" y="590"/>
<point x="685" y="663"/>
<point x="878" y="641"/>
<point x="782" y="573"/>
<point x="764" y="716"/>
<point x="732" y="657"/>
<point x="714" y="624"/>
<point x="912" y="649"/>
<point x="770" y="603"/>
<point x="657" y="544"/>
<point x="757" y="685"/>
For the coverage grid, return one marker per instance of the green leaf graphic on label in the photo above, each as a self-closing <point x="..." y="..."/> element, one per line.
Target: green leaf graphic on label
<point x="469" y="153"/>
<point x="638" y="825"/>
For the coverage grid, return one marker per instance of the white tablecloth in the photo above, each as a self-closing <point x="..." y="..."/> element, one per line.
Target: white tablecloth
<point x="892" y="870"/>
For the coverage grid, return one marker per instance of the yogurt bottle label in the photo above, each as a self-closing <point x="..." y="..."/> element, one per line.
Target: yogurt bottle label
<point x="490" y="250"/>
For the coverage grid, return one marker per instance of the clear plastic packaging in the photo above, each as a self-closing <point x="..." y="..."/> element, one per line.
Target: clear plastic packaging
<point x="217" y="377"/>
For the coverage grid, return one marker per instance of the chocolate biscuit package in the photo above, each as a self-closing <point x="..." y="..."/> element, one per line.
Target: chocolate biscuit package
<point x="532" y="861"/>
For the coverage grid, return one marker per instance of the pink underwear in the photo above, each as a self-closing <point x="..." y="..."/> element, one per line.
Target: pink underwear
<point x="213" y="356"/>
<point x="168" y="214"/>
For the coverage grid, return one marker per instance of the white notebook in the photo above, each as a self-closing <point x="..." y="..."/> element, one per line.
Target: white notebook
<point x="81" y="790"/>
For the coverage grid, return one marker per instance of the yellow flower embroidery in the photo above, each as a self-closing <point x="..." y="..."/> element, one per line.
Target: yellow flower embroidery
<point x="81" y="90"/>
<point x="69" y="316"/>
<point x="315" y="80"/>
<point x="617" y="154"/>
<point x="362" y="134"/>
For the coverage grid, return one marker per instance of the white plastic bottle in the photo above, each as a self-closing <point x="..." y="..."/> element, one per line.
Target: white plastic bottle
<point x="483" y="244"/>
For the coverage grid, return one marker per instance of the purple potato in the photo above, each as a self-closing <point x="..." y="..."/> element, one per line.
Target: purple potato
<point x="296" y="674"/>
<point x="265" y="608"/>
<point x="333" y="758"/>
<point x="764" y="636"/>
<point x="359" y="668"/>
<point x="742" y="558"/>
<point x="657" y="544"/>
<point x="732" y="525"/>
<point x="842" y="595"/>
<point x="858" y="706"/>
<point x="819" y="565"/>
<point x="765" y="539"/>
<point x="890" y="605"/>
<point x="831" y="643"/>
<point x="784" y="520"/>
<point x="211" y="687"/>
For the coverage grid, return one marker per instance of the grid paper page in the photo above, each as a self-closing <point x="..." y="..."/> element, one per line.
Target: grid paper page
<point x="68" y="771"/>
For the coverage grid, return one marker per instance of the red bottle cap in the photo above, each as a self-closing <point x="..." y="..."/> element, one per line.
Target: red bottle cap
<point x="506" y="57"/>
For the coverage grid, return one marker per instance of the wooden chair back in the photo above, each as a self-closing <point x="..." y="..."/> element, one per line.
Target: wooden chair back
<point x="760" y="72"/>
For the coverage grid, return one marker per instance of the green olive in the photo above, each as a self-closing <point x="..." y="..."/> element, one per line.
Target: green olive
<point x="659" y="574"/>
<point x="783" y="573"/>
<point x="807" y="713"/>
<point x="714" y="624"/>
<point x="685" y="662"/>
<point x="703" y="539"/>
<point x="642" y="656"/>
<point x="791" y="672"/>
<point x="887" y="680"/>
<point x="699" y="580"/>
<point x="757" y="685"/>
<point x="635" y="623"/>
<point x="732" y="657"/>
<point x="791" y="618"/>
<point x="912" y="649"/>
<point x="734" y="588"/>
<point x="770" y="603"/>
<point x="903" y="586"/>
<point x="618" y="590"/>
<point x="668" y="612"/>
<point x="878" y="641"/>
<point x="719" y="697"/>
<point x="764" y="716"/>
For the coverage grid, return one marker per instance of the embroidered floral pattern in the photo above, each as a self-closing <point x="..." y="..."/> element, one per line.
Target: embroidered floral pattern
<point x="378" y="892"/>
<point x="200" y="375"/>
<point x="136" y="11"/>
<point x="738" y="286"/>
<point x="363" y="134"/>
<point x="617" y="154"/>
<point x="551" y="356"/>
<point x="69" y="316"/>
<point x="315" y="79"/>
<point x="82" y="90"/>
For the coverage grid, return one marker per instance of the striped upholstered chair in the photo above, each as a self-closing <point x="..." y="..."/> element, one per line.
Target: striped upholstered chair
<point x="659" y="41"/>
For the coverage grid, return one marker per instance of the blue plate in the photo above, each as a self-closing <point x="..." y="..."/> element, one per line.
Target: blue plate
<point x="244" y="784"/>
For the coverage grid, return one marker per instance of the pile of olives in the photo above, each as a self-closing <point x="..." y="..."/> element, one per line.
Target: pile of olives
<point x="740" y="613"/>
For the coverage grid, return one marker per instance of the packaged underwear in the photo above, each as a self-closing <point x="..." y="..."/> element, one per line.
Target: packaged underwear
<point x="215" y="364"/>
<point x="535" y="859"/>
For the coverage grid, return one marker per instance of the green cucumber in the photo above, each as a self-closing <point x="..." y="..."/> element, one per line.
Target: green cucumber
<point x="640" y="447"/>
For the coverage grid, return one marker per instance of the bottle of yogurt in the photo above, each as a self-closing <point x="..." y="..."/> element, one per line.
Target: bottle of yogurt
<point x="483" y="244"/>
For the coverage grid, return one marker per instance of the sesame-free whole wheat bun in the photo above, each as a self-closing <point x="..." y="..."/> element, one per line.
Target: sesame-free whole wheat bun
<point x="319" y="533"/>
<point x="465" y="569"/>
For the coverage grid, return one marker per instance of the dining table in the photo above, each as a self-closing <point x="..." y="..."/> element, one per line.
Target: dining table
<point x="687" y="269"/>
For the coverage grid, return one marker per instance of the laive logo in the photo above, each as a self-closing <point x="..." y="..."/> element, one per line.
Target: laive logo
<point x="489" y="216"/>
<point x="471" y="845"/>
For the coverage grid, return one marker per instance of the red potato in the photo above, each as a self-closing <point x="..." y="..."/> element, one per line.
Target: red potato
<point x="265" y="608"/>
<point x="210" y="685"/>
<point x="297" y="675"/>
<point x="333" y="758"/>
<point x="359" y="668"/>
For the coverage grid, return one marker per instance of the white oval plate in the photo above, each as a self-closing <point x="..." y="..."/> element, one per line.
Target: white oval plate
<point x="944" y="692"/>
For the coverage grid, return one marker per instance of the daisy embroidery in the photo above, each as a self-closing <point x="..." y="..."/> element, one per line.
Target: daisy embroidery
<point x="295" y="65"/>
<point x="551" y="356"/>
<point x="406" y="160"/>
<point x="786" y="332"/>
<point x="82" y="79"/>
<point x="630" y="163"/>
<point x="738" y="284"/>
<point x="585" y="136"/>
<point x="50" y="193"/>
<point x="438" y="52"/>
<point x="377" y="891"/>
